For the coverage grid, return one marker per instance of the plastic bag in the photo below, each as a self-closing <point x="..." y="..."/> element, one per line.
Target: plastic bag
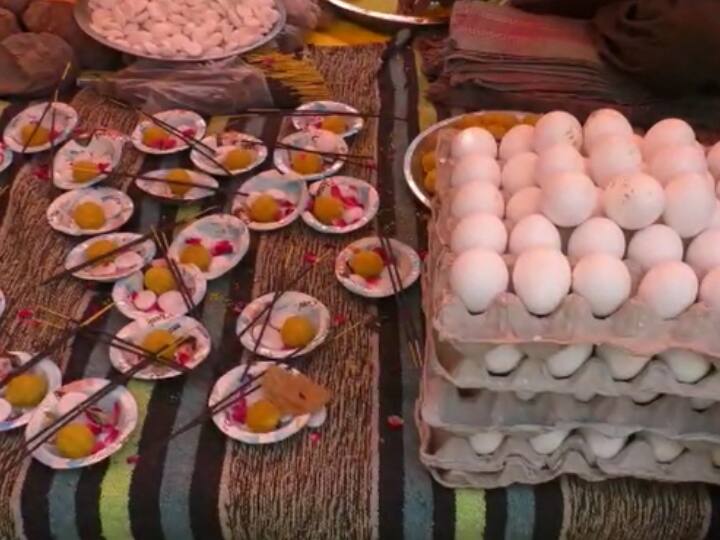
<point x="214" y="88"/>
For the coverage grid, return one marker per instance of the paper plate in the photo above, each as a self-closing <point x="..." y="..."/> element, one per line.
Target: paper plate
<point x="291" y="195"/>
<point x="312" y="140"/>
<point x="117" y="205"/>
<point x="123" y="265"/>
<point x="290" y="303"/>
<point x="354" y="123"/>
<point x="6" y="157"/>
<point x="360" y="200"/>
<point x="226" y="384"/>
<point x="66" y="118"/>
<point x="125" y="291"/>
<point x="224" y="143"/>
<point x="127" y="420"/>
<point x="188" y="122"/>
<point x="408" y="262"/>
<point x="104" y="148"/>
<point x="3" y="303"/>
<point x="218" y="232"/>
<point x="136" y="331"/>
<point x="163" y="191"/>
<point x="47" y="369"/>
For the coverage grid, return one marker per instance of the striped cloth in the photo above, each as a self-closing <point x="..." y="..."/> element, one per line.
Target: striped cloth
<point x="361" y="478"/>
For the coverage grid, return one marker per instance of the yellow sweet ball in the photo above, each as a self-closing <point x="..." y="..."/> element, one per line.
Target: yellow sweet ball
<point x="33" y="135"/>
<point x="297" y="331"/>
<point x="196" y="254"/>
<point x="89" y="215"/>
<point x="367" y="263"/>
<point x="306" y="163"/>
<point x="84" y="171"/>
<point x="160" y="340"/>
<point x="159" y="280"/>
<point x="26" y="390"/>
<point x="428" y="161"/>
<point x="75" y="441"/>
<point x="154" y="136"/>
<point x="239" y="158"/>
<point x="178" y="175"/>
<point x="99" y="248"/>
<point x="430" y="182"/>
<point x="264" y="209"/>
<point x="262" y="416"/>
<point x="327" y="209"/>
<point x="334" y="123"/>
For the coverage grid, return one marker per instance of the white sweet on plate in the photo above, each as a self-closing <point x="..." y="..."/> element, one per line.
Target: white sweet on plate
<point x="669" y="288"/>
<point x="604" y="281"/>
<point x="479" y="231"/>
<point x="634" y="201"/>
<point x="568" y="360"/>
<point x="475" y="168"/>
<point x="541" y="278"/>
<point x="502" y="359"/>
<point x="568" y="198"/>
<point x="689" y="204"/>
<point x="687" y="366"/>
<point x="534" y="231"/>
<point x="604" y="123"/>
<point x="596" y="235"/>
<point x="478" y="197"/>
<point x="474" y="140"/>
<point x="654" y="245"/>
<point x="557" y="127"/>
<point x="477" y="291"/>
<point x="667" y="132"/>
<point x="519" y="172"/>
<point x="517" y="140"/>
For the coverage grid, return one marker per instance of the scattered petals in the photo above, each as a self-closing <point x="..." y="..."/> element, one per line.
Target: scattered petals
<point x="132" y="460"/>
<point x="25" y="314"/>
<point x="193" y="241"/>
<point x="310" y="258"/>
<point x="315" y="437"/>
<point x="339" y="319"/>
<point x="223" y="247"/>
<point x="395" y="422"/>
<point x="42" y="172"/>
<point x="423" y="254"/>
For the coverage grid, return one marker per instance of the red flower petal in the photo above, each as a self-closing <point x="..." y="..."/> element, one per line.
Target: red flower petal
<point x="423" y="254"/>
<point x="395" y="422"/>
<point x="315" y="437"/>
<point x="193" y="241"/>
<point x="339" y="319"/>
<point x="310" y="258"/>
<point x="132" y="460"/>
<point x="42" y="172"/>
<point x="24" y="314"/>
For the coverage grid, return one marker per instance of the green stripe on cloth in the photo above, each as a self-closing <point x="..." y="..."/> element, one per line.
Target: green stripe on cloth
<point x="469" y="514"/>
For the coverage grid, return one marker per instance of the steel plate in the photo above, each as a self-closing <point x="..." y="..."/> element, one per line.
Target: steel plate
<point x="382" y="20"/>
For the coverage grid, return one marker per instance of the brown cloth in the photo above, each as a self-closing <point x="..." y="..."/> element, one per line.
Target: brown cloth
<point x="16" y="6"/>
<point x="32" y="64"/>
<point x="8" y="23"/>
<point x="501" y="57"/>
<point x="584" y="9"/>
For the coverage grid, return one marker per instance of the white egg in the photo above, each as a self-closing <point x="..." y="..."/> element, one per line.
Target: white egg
<point x="555" y="128"/>
<point x="502" y="359"/>
<point x="604" y="281"/>
<point x="534" y="231"/>
<point x="541" y="278"/>
<point x="672" y="161"/>
<point x="622" y="364"/>
<point x="669" y="288"/>
<point x="519" y="172"/>
<point x="634" y="201"/>
<point x="644" y="397"/>
<point x="689" y="204"/>
<point x="568" y="199"/>
<point x="655" y="244"/>
<point x="700" y="404"/>
<point x="476" y="168"/>
<point x="596" y="235"/>
<point x="713" y="160"/>
<point x="547" y="443"/>
<point x="599" y="211"/>
<point x="602" y="446"/>
<point x="517" y="140"/>
<point x="668" y="132"/>
<point x="474" y="140"/>
<point x="558" y="159"/>
<point x="524" y="203"/>
<point x="604" y="123"/>
<point x="584" y="396"/>
<point x="525" y="395"/>
<point x="715" y="220"/>
<point x="486" y="443"/>
<point x="568" y="360"/>
<point x="710" y="289"/>
<point x="478" y="276"/>
<point x="665" y="450"/>
<point x="613" y="156"/>
<point x="703" y="253"/>
<point x="479" y="231"/>
<point x="478" y="197"/>
<point x="687" y="366"/>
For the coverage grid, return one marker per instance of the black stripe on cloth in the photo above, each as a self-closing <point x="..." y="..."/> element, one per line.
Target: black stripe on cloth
<point x="443" y="512"/>
<point x="391" y="472"/>
<point x="714" y="528"/>
<point x="548" y="511"/>
<point x="495" y="513"/>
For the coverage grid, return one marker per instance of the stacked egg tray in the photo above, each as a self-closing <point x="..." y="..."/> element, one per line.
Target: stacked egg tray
<point x="510" y="397"/>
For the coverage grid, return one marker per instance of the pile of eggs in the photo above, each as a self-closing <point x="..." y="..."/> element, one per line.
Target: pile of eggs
<point x="183" y="29"/>
<point x="560" y="207"/>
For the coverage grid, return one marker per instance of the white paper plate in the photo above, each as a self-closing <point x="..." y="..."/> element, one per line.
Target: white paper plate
<point x="121" y="266"/>
<point x="289" y="426"/>
<point x="124" y="290"/>
<point x="127" y="421"/>
<point x="66" y="118"/>
<point x="309" y="140"/>
<point x="189" y="122"/>
<point x="6" y="157"/>
<point x="3" y="303"/>
<point x="210" y="231"/>
<point x="282" y="188"/>
<point x="49" y="371"/>
<point x="105" y="147"/>
<point x="117" y="205"/>
<point x="290" y="303"/>
<point x="136" y="331"/>
<point x="224" y="143"/>
<point x="354" y="123"/>
<point x="408" y="262"/>
<point x="349" y="188"/>
<point x="163" y="191"/>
